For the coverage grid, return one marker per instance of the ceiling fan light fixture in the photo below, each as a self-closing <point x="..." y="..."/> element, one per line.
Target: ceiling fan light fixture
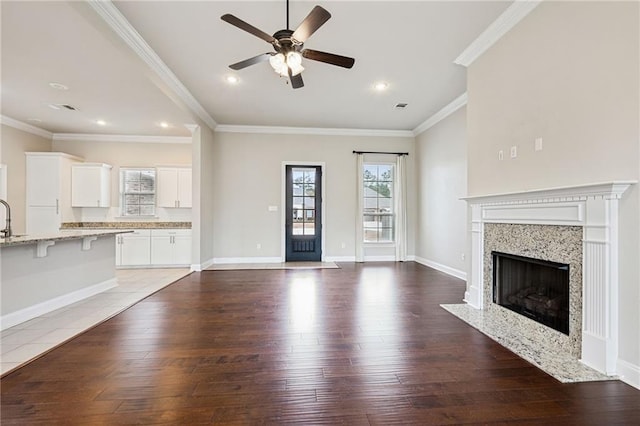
<point x="279" y="64"/>
<point x="294" y="61"/>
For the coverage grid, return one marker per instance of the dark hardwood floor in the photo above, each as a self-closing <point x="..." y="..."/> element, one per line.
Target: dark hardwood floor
<point x="362" y="345"/>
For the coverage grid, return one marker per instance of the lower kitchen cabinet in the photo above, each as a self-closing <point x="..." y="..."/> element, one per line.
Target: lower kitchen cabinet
<point x="134" y="248"/>
<point x="170" y="247"/>
<point x="154" y="248"/>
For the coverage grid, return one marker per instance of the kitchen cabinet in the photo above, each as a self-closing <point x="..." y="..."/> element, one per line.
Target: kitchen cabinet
<point x="48" y="191"/>
<point x="91" y="185"/>
<point x="171" y="247"/>
<point x="134" y="248"/>
<point x="174" y="187"/>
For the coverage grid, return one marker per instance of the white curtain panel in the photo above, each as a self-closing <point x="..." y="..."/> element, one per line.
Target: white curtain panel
<point x="400" y="200"/>
<point x="360" y="209"/>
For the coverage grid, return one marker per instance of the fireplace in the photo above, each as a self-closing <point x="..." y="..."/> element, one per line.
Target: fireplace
<point x="575" y="225"/>
<point x="537" y="289"/>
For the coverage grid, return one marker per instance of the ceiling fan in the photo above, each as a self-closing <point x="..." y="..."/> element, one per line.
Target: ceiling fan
<point x="288" y="46"/>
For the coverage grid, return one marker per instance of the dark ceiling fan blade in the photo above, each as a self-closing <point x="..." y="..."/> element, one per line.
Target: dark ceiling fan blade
<point x="251" y="61"/>
<point x="314" y="20"/>
<point x="329" y="58"/>
<point x="296" y="80"/>
<point x="248" y="28"/>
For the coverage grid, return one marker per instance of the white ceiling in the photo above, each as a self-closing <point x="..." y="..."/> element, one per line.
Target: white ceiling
<point x="411" y="45"/>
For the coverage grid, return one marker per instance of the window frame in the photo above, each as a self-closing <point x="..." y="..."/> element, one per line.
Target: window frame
<point x="123" y="194"/>
<point x="391" y="214"/>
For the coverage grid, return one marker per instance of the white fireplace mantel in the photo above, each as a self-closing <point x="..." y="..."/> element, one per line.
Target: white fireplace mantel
<point x="595" y="208"/>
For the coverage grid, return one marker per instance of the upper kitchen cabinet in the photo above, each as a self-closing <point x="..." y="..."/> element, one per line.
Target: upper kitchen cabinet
<point x="91" y="185"/>
<point x="174" y="187"/>
<point x="48" y="187"/>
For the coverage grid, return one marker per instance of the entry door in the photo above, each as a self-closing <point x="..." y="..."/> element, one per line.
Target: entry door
<point x="303" y="213"/>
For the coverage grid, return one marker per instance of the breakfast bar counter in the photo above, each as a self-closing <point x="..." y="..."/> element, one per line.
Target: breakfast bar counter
<point x="44" y="272"/>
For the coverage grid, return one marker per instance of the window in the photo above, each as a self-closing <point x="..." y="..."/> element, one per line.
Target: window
<point x="378" y="216"/>
<point x="304" y="201"/>
<point x="138" y="192"/>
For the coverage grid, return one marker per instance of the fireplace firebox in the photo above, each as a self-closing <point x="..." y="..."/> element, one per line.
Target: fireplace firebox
<point x="537" y="289"/>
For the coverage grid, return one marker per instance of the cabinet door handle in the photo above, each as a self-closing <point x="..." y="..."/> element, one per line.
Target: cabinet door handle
<point x="178" y="203"/>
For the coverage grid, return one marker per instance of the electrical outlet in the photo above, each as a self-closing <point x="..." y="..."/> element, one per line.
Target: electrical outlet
<point x="258" y="246"/>
<point x="538" y="144"/>
<point x="501" y="155"/>
<point x="514" y="151"/>
<point x="344" y="245"/>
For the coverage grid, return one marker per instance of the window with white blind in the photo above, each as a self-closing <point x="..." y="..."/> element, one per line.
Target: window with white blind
<point x="137" y="192"/>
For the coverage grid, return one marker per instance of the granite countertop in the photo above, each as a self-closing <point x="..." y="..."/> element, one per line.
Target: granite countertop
<point x="126" y="225"/>
<point x="56" y="236"/>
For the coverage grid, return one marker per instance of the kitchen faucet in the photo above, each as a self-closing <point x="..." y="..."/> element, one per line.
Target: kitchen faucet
<point x="7" y="230"/>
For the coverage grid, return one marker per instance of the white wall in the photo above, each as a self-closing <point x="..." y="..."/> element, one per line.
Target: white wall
<point x="441" y="163"/>
<point x="248" y="179"/>
<point x="14" y="144"/>
<point x="569" y="73"/>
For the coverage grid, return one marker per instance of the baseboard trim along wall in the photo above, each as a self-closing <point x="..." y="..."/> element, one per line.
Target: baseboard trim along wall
<point x="340" y="259"/>
<point x="442" y="268"/>
<point x="18" y="317"/>
<point x="222" y="260"/>
<point x="198" y="267"/>
<point x="628" y="373"/>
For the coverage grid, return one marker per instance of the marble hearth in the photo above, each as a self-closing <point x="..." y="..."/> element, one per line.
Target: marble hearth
<point x="573" y="225"/>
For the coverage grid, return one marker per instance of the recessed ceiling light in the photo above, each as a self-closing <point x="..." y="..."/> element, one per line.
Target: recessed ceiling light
<point x="232" y="79"/>
<point x="101" y="122"/>
<point x="381" y="86"/>
<point x="164" y="124"/>
<point x="58" y="86"/>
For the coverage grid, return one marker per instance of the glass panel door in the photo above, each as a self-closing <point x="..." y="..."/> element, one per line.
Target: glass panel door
<point x="303" y="239"/>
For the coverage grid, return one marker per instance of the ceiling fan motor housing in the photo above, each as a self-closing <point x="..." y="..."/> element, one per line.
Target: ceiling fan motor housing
<point x="286" y="43"/>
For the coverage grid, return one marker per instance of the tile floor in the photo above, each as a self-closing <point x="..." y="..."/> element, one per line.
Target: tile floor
<point x="23" y="342"/>
<point x="562" y="366"/>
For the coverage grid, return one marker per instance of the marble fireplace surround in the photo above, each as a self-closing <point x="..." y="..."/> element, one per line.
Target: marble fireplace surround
<point x="534" y="223"/>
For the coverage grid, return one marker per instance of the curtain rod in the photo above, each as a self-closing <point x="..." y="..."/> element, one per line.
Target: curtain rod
<point x="378" y="152"/>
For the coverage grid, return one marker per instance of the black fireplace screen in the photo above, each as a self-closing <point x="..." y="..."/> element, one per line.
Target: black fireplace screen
<point x="537" y="289"/>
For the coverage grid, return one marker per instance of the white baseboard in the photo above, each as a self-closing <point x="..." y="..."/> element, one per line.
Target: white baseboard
<point x="198" y="267"/>
<point x="340" y="259"/>
<point x="222" y="260"/>
<point x="628" y="373"/>
<point x="18" y="317"/>
<point x="442" y="268"/>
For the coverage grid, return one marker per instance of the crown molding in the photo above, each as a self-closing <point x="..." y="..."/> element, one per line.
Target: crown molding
<point x="448" y="109"/>
<point x="229" y="128"/>
<point x="90" y="137"/>
<point x="505" y="22"/>
<point x="123" y="29"/>
<point x="8" y="121"/>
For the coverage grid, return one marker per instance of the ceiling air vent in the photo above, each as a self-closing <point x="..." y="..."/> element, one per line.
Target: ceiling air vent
<point x="401" y="105"/>
<point x="60" y="106"/>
